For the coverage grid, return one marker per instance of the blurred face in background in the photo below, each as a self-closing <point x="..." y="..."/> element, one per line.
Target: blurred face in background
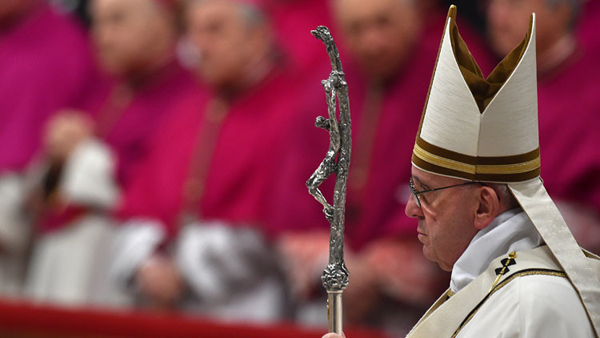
<point x="508" y="22"/>
<point x="380" y="34"/>
<point x="132" y="37"/>
<point x="229" y="39"/>
<point x="10" y="9"/>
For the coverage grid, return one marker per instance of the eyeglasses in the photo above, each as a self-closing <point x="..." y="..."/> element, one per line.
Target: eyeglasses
<point x="416" y="193"/>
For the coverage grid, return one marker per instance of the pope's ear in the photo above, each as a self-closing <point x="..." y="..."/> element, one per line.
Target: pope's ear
<point x="489" y="207"/>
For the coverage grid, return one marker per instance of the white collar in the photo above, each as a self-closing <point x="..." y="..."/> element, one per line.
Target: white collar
<point x="510" y="231"/>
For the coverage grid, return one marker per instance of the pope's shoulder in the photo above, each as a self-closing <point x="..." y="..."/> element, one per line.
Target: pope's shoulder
<point x="531" y="305"/>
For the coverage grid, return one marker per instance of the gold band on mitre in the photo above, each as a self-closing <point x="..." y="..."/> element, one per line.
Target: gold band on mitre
<point x="515" y="168"/>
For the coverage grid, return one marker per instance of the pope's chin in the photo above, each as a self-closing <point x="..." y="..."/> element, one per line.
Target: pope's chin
<point x="427" y="253"/>
<point x="431" y="256"/>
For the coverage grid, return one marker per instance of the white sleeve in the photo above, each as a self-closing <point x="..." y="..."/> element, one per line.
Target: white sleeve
<point x="135" y="241"/>
<point x="89" y="176"/>
<point x="217" y="260"/>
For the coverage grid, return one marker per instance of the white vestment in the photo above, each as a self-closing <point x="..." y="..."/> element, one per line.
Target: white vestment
<point x="69" y="266"/>
<point x="533" y="298"/>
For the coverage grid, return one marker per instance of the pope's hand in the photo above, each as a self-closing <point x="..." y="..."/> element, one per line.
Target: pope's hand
<point x="333" y="335"/>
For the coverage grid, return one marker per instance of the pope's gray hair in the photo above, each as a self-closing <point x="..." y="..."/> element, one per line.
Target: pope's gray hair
<point x="505" y="197"/>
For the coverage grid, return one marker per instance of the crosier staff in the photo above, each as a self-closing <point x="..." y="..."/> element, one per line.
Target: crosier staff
<point x="335" y="276"/>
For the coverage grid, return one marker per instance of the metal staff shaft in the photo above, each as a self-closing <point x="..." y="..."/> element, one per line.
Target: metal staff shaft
<point x="337" y="160"/>
<point x="334" y="311"/>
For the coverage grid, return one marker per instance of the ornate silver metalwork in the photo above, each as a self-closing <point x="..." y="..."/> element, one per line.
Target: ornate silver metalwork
<point x="337" y="160"/>
<point x="335" y="277"/>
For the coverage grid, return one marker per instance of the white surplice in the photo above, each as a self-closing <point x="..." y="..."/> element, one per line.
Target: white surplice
<point x="69" y="266"/>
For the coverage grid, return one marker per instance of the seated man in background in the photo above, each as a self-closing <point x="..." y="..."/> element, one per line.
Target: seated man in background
<point x="390" y="50"/>
<point x="483" y="212"/>
<point x="293" y="20"/>
<point x="195" y="235"/>
<point x="45" y="64"/>
<point x="588" y="25"/>
<point x="89" y="154"/>
<point x="568" y="78"/>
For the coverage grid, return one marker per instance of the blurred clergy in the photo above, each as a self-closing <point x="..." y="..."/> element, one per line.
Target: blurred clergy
<point x="195" y="235"/>
<point x="45" y="64"/>
<point x="89" y="155"/>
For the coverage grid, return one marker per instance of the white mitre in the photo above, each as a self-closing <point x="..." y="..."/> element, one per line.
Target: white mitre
<point x="487" y="130"/>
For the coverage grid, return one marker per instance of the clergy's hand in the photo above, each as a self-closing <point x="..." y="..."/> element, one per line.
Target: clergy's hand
<point x="362" y="293"/>
<point x="402" y="271"/>
<point x="305" y="255"/>
<point x="584" y="223"/>
<point x="64" y="132"/>
<point x="159" y="283"/>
